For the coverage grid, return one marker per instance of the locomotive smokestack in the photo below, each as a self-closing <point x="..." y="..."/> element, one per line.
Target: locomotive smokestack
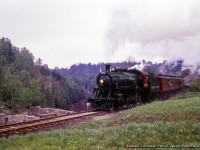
<point x="107" y="68"/>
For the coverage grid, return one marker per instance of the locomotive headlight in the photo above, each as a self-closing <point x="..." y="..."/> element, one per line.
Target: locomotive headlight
<point x="101" y="81"/>
<point x="104" y="81"/>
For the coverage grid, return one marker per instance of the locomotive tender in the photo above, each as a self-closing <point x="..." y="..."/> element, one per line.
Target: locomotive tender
<point x="122" y="87"/>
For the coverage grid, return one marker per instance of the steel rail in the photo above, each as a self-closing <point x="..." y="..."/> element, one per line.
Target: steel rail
<point x="38" y="124"/>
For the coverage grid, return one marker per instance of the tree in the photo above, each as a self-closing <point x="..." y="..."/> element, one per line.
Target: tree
<point x="24" y="60"/>
<point x="38" y="62"/>
<point x="7" y="54"/>
<point x="30" y="96"/>
<point x="11" y="89"/>
<point x="24" y="98"/>
<point x="185" y="72"/>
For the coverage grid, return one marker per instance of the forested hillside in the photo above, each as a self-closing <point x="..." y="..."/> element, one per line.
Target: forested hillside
<point x="26" y="82"/>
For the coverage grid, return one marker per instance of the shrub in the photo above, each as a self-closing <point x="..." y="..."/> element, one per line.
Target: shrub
<point x="195" y="86"/>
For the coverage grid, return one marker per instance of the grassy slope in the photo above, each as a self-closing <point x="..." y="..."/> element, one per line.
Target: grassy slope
<point x="172" y="122"/>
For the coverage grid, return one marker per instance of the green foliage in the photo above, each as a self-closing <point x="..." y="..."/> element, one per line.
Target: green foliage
<point x="25" y="83"/>
<point x="30" y="96"/>
<point x="24" y="60"/>
<point x="195" y="86"/>
<point x="11" y="89"/>
<point x="6" y="52"/>
<point x="25" y="94"/>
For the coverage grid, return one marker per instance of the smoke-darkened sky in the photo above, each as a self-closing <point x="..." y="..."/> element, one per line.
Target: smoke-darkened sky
<point x="65" y="32"/>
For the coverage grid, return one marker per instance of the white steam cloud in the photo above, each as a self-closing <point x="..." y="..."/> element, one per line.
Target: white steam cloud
<point x="156" y="30"/>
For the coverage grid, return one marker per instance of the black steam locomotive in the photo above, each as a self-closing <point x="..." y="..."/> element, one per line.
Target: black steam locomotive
<point x="124" y="87"/>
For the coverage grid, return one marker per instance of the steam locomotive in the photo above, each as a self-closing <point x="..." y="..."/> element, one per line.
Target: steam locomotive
<point x="124" y="87"/>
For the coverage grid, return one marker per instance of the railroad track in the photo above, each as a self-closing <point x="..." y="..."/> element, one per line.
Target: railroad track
<point x="32" y="121"/>
<point x="37" y="125"/>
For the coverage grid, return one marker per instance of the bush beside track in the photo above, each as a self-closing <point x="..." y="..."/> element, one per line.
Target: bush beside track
<point x="195" y="86"/>
<point x="171" y="123"/>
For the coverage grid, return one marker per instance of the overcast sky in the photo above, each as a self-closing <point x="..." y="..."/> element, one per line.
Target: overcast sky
<point x="65" y="32"/>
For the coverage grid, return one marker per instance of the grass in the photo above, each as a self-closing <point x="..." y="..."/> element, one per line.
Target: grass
<point x="171" y="123"/>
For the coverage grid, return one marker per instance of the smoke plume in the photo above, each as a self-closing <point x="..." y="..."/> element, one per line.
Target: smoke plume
<point x="156" y="30"/>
